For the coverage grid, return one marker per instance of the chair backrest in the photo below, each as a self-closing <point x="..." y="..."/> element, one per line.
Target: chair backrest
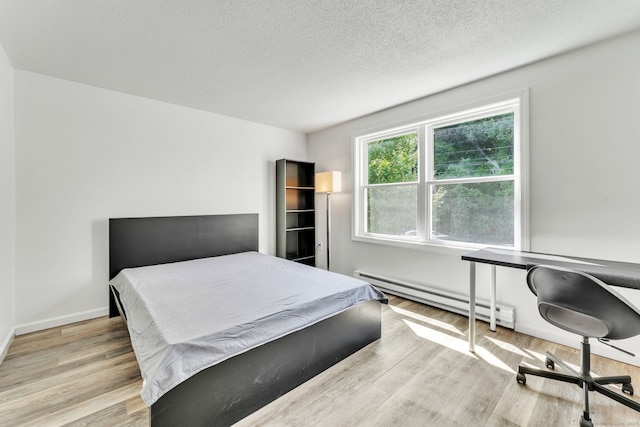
<point x="582" y="304"/>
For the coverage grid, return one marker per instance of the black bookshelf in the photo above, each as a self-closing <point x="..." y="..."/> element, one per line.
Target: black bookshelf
<point x="295" y="211"/>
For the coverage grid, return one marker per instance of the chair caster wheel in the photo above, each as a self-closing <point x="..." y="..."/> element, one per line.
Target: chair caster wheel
<point x="521" y="378"/>
<point x="627" y="388"/>
<point x="549" y="364"/>
<point x="585" y="423"/>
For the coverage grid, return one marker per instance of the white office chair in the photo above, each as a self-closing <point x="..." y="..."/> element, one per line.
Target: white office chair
<point x="584" y="305"/>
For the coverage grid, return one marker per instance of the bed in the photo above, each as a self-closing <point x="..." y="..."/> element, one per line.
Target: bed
<point x="238" y="384"/>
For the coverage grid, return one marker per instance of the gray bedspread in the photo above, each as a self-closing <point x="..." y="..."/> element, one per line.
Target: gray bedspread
<point x="187" y="316"/>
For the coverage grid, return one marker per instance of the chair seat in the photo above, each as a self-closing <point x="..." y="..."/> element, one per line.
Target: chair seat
<point x="573" y="321"/>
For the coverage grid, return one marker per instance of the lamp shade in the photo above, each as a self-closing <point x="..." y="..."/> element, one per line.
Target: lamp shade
<point x="328" y="182"/>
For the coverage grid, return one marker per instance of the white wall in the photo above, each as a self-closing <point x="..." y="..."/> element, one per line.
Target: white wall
<point x="7" y="205"/>
<point x="85" y="154"/>
<point x="584" y="175"/>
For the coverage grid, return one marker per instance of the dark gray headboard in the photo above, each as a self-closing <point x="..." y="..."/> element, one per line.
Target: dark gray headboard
<point x="136" y="242"/>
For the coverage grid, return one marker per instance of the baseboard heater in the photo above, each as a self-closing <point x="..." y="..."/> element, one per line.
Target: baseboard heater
<point x="505" y="316"/>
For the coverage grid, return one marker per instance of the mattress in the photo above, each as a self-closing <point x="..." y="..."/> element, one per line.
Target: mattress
<point x="187" y="316"/>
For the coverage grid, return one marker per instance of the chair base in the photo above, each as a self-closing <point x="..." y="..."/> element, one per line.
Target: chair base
<point x="582" y="380"/>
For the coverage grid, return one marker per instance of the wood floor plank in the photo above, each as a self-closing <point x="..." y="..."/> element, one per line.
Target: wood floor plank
<point x="135" y="404"/>
<point x="420" y="373"/>
<point x="56" y="377"/>
<point x="70" y="392"/>
<point x="86" y="408"/>
<point x="115" y="415"/>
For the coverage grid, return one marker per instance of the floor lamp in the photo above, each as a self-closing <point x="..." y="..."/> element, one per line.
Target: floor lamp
<point x="328" y="182"/>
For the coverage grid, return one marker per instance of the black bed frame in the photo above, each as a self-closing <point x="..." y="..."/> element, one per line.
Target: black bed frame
<point x="227" y="392"/>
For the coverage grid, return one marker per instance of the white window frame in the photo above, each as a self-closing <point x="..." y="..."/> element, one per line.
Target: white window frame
<point x="516" y="102"/>
<point x="365" y="171"/>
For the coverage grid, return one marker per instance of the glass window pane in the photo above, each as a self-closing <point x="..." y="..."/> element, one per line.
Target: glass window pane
<point x="481" y="147"/>
<point x="393" y="210"/>
<point x="393" y="159"/>
<point x="474" y="213"/>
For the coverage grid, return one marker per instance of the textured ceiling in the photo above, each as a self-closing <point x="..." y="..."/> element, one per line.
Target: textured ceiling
<point x="297" y="64"/>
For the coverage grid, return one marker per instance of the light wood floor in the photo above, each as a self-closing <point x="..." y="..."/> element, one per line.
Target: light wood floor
<point x="418" y="374"/>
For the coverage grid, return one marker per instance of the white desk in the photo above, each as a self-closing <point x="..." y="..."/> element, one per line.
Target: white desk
<point x="614" y="273"/>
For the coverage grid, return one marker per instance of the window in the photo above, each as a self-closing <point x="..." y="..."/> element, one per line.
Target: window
<point x="453" y="180"/>
<point x="391" y="190"/>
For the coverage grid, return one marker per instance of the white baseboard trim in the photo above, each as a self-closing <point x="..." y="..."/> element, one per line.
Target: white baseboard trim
<point x="59" y="321"/>
<point x="573" y="341"/>
<point x="4" y="347"/>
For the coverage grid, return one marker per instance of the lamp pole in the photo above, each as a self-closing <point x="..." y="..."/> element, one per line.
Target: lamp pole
<point x="328" y="230"/>
<point x="328" y="182"/>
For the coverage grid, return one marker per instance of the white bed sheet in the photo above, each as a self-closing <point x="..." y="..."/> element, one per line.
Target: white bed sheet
<point x="187" y="316"/>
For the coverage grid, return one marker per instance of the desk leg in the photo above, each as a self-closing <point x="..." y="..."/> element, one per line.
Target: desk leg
<point x="472" y="307"/>
<point x="492" y="292"/>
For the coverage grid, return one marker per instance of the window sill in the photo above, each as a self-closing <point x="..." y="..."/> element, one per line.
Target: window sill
<point x="447" y="249"/>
